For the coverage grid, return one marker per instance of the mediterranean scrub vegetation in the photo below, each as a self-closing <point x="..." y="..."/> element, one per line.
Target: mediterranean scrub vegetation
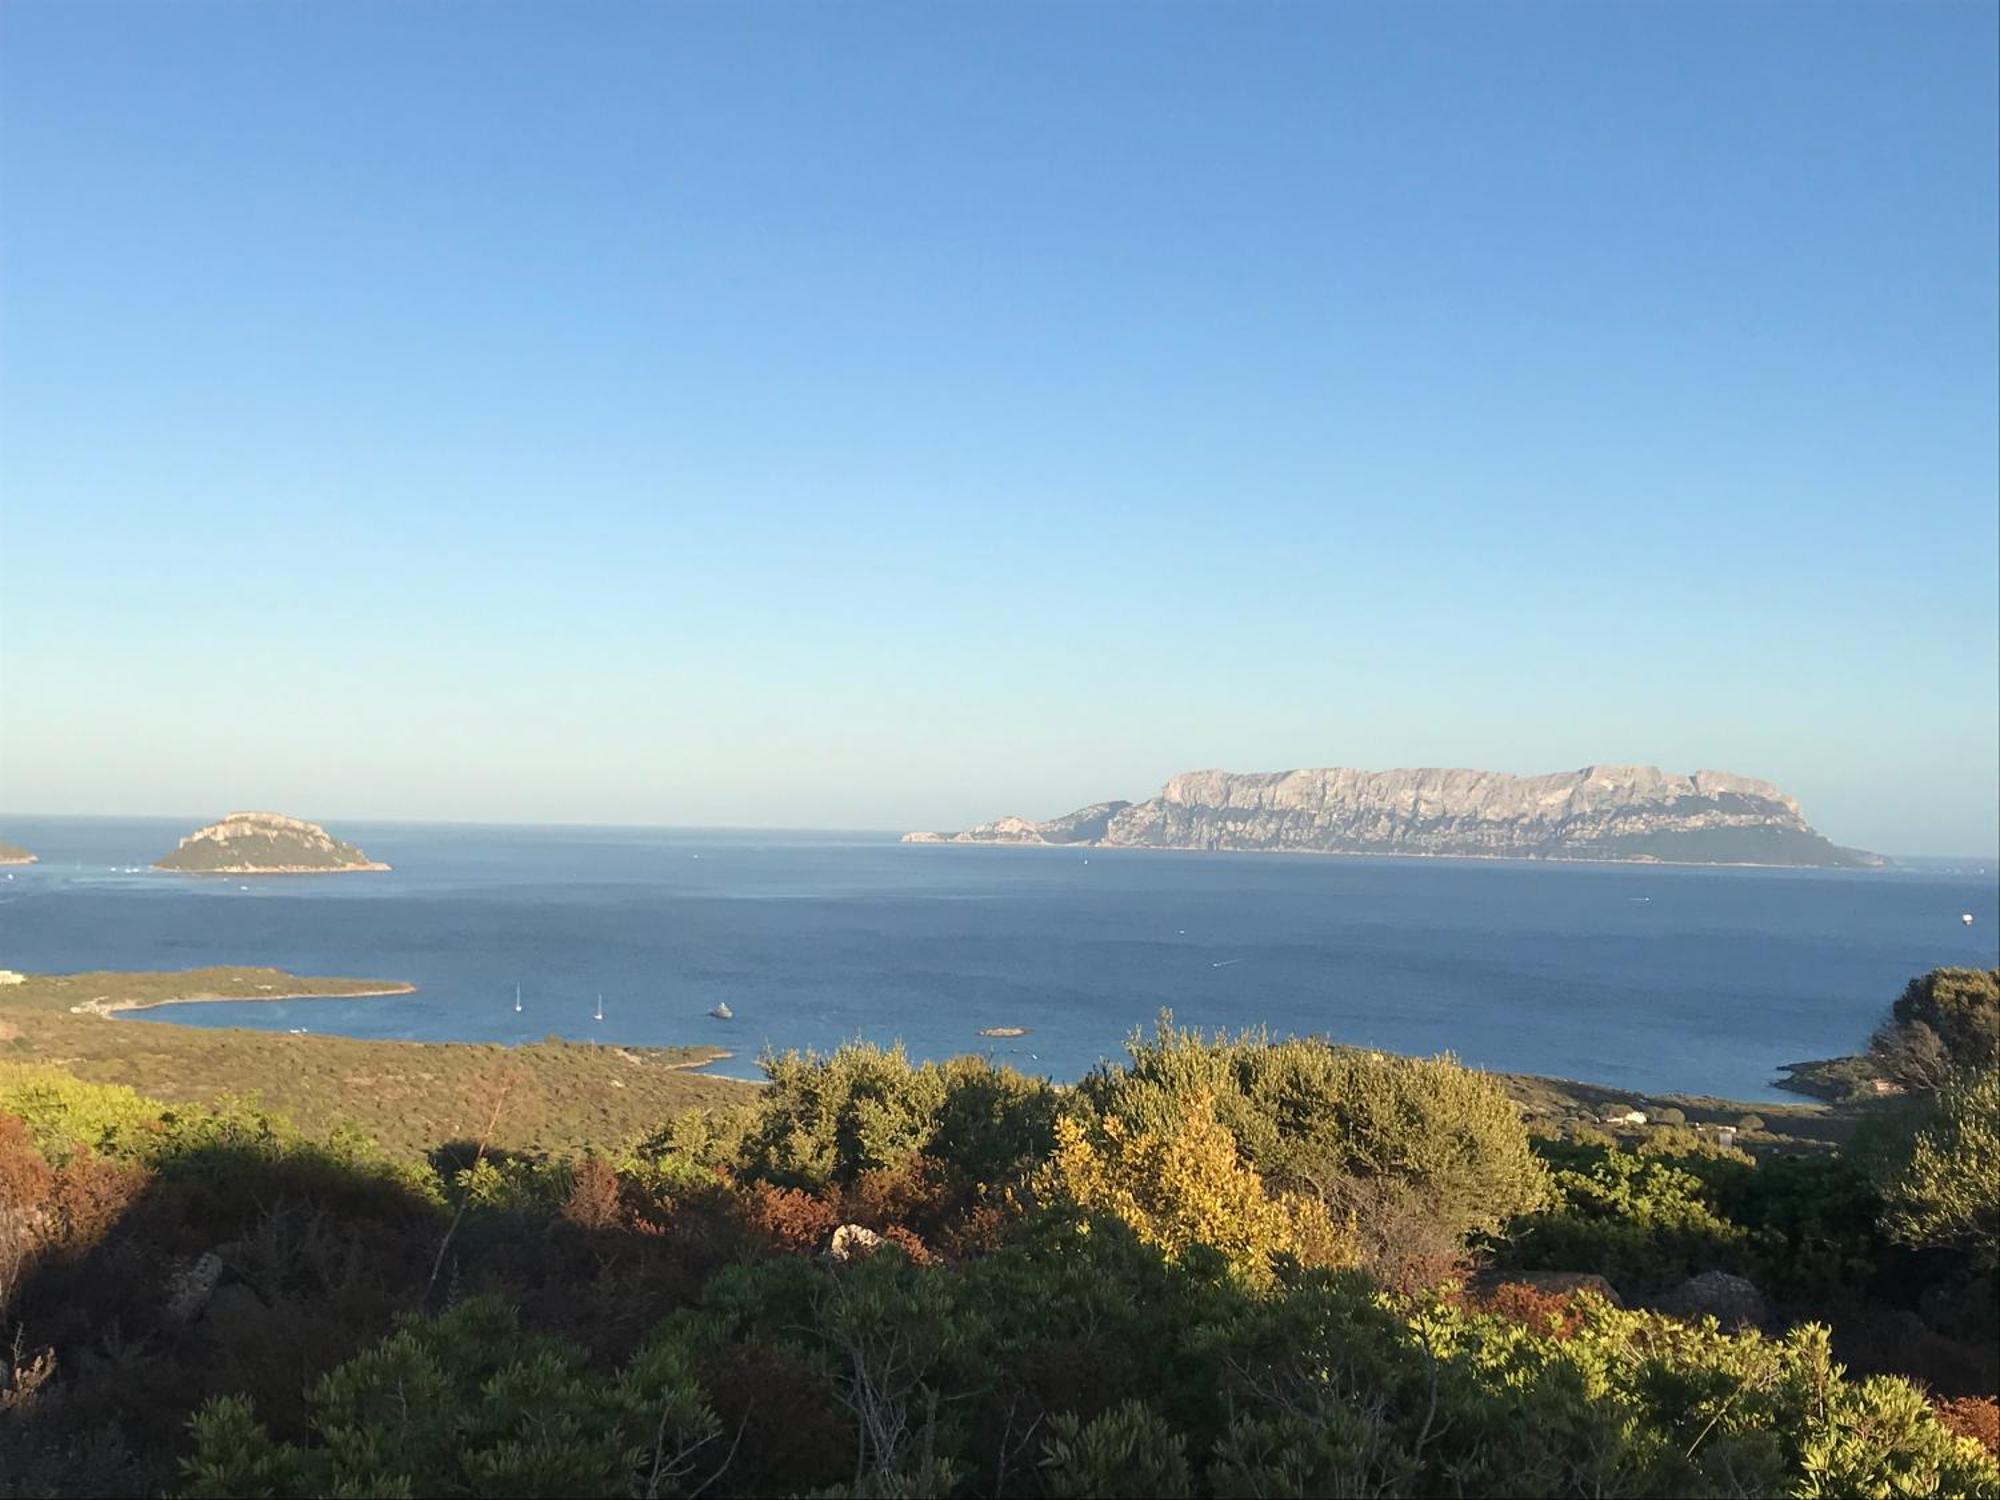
<point x="1224" y="1266"/>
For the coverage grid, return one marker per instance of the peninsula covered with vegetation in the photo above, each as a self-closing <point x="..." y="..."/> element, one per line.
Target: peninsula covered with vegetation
<point x="405" y="1096"/>
<point x="264" y="843"/>
<point x="1220" y="1266"/>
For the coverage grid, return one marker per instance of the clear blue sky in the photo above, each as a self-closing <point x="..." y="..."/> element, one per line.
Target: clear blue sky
<point x="854" y="416"/>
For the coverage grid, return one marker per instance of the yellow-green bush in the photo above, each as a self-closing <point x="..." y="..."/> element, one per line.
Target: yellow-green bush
<point x="1311" y="1116"/>
<point x="1184" y="1185"/>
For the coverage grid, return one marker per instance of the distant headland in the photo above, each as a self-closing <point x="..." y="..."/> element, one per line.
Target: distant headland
<point x="14" y="854"/>
<point x="264" y="843"/>
<point x="1622" y="813"/>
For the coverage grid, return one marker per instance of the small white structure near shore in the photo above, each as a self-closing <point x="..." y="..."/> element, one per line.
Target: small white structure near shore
<point x="1626" y="1117"/>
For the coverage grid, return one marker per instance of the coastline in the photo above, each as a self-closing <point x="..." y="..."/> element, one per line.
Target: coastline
<point x="46" y="1021"/>
<point x="108" y="1007"/>
<point x="1644" y="862"/>
<point x="560" y="1096"/>
<point x="372" y="865"/>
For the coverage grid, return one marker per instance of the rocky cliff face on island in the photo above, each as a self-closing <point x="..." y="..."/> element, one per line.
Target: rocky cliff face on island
<point x="262" y="843"/>
<point x="14" y="854"/>
<point x="1599" y="813"/>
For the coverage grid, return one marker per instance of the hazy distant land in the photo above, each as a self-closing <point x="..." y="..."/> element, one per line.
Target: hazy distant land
<point x="1622" y="813"/>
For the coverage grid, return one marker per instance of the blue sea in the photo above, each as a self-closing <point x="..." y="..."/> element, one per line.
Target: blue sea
<point x="1650" y="978"/>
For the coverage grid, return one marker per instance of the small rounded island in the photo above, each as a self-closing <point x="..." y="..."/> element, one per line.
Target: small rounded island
<point x="259" y="843"/>
<point x="1004" y="1031"/>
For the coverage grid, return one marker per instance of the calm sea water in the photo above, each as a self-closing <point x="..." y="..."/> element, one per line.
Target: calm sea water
<point x="1650" y="978"/>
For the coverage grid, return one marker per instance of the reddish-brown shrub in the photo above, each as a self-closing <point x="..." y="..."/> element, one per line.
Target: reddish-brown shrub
<point x="25" y="1178"/>
<point x="790" y="1219"/>
<point x="1403" y="1242"/>
<point x="25" y="1184"/>
<point x="90" y="1194"/>
<point x="1550" y="1313"/>
<point x="907" y="1242"/>
<point x="595" y="1199"/>
<point x="978" y="1231"/>
<point x="1976" y="1417"/>
<point x="914" y="1194"/>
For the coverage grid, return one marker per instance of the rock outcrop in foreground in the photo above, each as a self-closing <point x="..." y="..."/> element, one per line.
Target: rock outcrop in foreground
<point x="1598" y="813"/>
<point x="262" y="843"/>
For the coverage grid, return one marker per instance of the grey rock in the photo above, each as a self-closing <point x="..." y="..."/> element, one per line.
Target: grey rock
<point x="1564" y="1281"/>
<point x="1597" y="813"/>
<point x="1730" y="1300"/>
<point x="852" y="1242"/>
<point x="190" y="1288"/>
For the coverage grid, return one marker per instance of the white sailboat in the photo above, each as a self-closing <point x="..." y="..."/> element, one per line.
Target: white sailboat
<point x="600" y="1008"/>
<point x="517" y="999"/>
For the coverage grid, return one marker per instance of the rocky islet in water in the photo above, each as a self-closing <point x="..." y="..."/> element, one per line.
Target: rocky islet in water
<point x="264" y="843"/>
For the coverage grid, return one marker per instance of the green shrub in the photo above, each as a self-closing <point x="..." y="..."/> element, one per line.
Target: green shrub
<point x="1803" y="1228"/>
<point x="224" y="1154"/>
<point x="1125" y="1452"/>
<point x="703" y="1139"/>
<point x="1684" y="1142"/>
<point x="825" y="1120"/>
<point x="1312" y="1117"/>
<point x="1943" y="1188"/>
<point x="465" y="1403"/>
<point x="1443" y="1400"/>
<point x="1944" y="1022"/>
<point x="1643" y="1221"/>
<point x="1105" y="1370"/>
<point x="63" y="1112"/>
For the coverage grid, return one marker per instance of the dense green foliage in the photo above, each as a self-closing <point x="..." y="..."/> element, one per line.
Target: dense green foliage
<point x="1223" y="1268"/>
<point x="825" y="1121"/>
<point x="1803" y="1228"/>
<point x="465" y="1404"/>
<point x="1943" y="1186"/>
<point x="945" y="1380"/>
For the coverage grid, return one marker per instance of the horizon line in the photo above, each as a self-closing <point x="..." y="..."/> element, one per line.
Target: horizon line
<point x="1992" y="858"/>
